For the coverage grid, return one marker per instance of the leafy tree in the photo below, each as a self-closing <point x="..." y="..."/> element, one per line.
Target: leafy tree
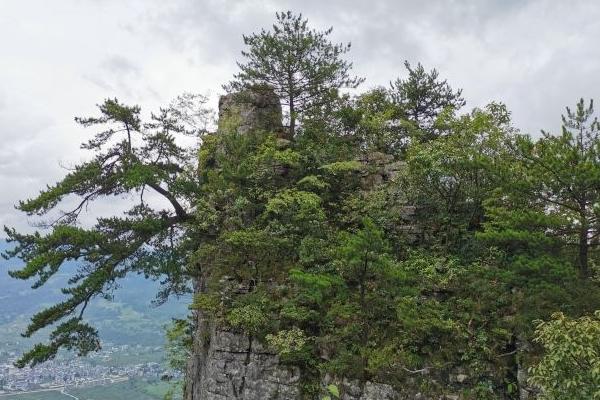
<point x="361" y="313"/>
<point x="556" y="183"/>
<point x="422" y="96"/>
<point x="391" y="119"/>
<point x="449" y="178"/>
<point x="300" y="63"/>
<point x="375" y="122"/>
<point x="570" y="366"/>
<point x="178" y="347"/>
<point x="129" y="157"/>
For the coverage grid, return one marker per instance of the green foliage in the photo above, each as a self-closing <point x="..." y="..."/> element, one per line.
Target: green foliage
<point x="209" y="303"/>
<point x="312" y="183"/>
<point x="72" y="334"/>
<point x="300" y="63"/>
<point x="409" y="112"/>
<point x="342" y="167"/>
<point x="332" y="390"/>
<point x="252" y="318"/>
<point x="570" y="366"/>
<point x="376" y="122"/>
<point x="287" y="342"/>
<point x="178" y="346"/>
<point x="295" y="211"/>
<point x="451" y="177"/>
<point x="551" y="191"/>
<point x="422" y="97"/>
<point x="129" y="156"/>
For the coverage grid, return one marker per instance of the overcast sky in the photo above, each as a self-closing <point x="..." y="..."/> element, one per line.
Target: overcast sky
<point x="59" y="58"/>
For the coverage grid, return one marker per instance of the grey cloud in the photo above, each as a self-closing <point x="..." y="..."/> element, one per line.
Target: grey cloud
<point x="17" y="125"/>
<point x="98" y="81"/>
<point x="120" y="65"/>
<point x="210" y="30"/>
<point x="537" y="56"/>
<point x="118" y="76"/>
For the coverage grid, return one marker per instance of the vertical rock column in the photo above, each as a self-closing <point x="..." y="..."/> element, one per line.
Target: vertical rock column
<point x="252" y="109"/>
<point x="226" y="365"/>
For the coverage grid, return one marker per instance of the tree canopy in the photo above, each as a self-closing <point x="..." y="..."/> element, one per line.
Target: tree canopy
<point x="300" y="63"/>
<point x="129" y="158"/>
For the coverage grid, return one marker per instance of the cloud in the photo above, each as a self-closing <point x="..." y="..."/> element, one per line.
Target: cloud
<point x="118" y="64"/>
<point x="65" y="57"/>
<point x="120" y="76"/>
<point x="509" y="51"/>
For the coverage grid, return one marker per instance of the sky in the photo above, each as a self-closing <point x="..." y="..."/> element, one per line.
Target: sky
<point x="60" y="58"/>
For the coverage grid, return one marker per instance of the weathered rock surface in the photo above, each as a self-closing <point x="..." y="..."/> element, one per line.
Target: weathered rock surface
<point x="368" y="391"/>
<point x="258" y="108"/>
<point x="237" y="367"/>
<point x="379" y="168"/>
<point x="225" y="365"/>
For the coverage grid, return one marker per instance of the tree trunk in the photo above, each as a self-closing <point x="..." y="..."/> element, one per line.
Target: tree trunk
<point x="197" y="361"/>
<point x="583" y="249"/>
<point x="292" y="118"/>
<point x="364" y="336"/>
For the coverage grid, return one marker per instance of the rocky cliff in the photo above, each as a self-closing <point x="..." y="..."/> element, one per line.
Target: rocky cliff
<point x="237" y="367"/>
<point x="224" y="364"/>
<point x="228" y="365"/>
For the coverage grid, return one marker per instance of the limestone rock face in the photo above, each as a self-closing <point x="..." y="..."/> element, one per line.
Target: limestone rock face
<point x="226" y="365"/>
<point x="238" y="367"/>
<point x="256" y="108"/>
<point x="368" y="391"/>
<point x="379" y="168"/>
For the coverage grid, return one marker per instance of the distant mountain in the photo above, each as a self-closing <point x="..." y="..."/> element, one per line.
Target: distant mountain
<point x="128" y="319"/>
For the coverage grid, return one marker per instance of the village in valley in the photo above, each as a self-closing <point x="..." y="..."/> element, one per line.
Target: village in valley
<point x="109" y="366"/>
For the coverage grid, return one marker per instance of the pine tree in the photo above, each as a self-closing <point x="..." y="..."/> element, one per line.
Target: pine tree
<point x="129" y="158"/>
<point x="559" y="177"/>
<point x="422" y="96"/>
<point x="301" y="64"/>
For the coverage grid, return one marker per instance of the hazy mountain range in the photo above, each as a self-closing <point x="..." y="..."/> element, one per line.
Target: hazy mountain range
<point x="128" y="319"/>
